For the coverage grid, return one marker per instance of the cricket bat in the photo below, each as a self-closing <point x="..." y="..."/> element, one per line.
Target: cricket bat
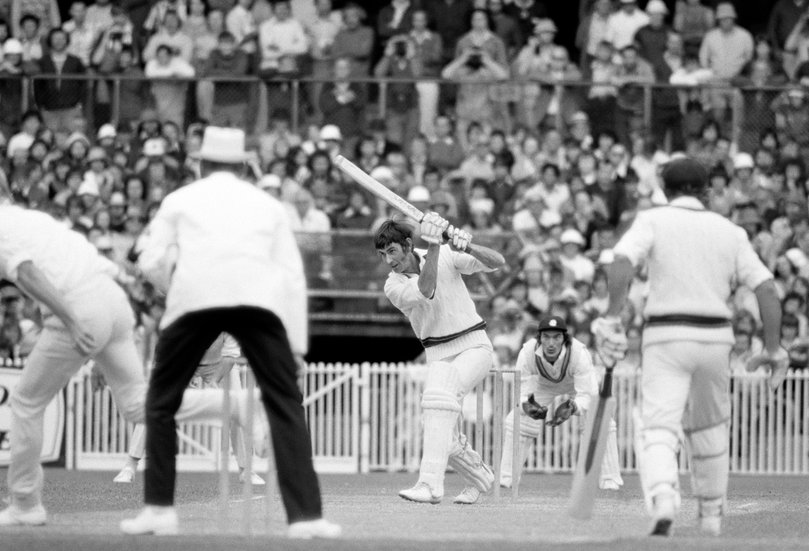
<point x="591" y="452"/>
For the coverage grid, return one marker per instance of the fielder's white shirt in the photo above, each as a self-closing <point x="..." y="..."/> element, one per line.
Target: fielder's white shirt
<point x="233" y="247"/>
<point x="66" y="258"/>
<point x="450" y="309"/>
<point x="695" y="259"/>
<point x="580" y="381"/>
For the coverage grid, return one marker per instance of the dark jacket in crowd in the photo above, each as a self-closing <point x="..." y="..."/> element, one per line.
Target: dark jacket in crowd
<point x="59" y="91"/>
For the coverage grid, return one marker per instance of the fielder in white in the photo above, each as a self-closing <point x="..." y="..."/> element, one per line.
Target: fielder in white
<point x="695" y="258"/>
<point x="553" y="365"/>
<point x="428" y="288"/>
<point x="86" y="315"/>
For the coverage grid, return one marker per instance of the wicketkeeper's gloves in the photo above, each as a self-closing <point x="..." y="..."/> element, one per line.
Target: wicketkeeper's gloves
<point x="533" y="410"/>
<point x="563" y="413"/>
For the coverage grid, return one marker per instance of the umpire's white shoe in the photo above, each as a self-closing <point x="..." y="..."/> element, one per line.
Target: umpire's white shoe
<point x="420" y="493"/>
<point x="308" y="529"/>
<point x="255" y="479"/>
<point x="468" y="496"/>
<point x="15" y="516"/>
<point x="126" y="476"/>
<point x="159" y="521"/>
<point x="664" y="510"/>
<point x="261" y="428"/>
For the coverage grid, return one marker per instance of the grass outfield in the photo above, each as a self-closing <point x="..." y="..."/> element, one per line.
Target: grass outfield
<point x="86" y="507"/>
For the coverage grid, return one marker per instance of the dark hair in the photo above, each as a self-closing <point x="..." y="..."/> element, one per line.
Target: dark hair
<point x="552" y="166"/>
<point x="792" y="295"/>
<point x="29" y="17"/>
<point x="54" y="32"/>
<point x="319" y="153"/>
<point x="226" y="35"/>
<point x="390" y="232"/>
<point x="789" y="320"/>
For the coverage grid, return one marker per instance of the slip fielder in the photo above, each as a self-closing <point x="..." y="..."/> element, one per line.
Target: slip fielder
<point x="428" y="288"/>
<point x="695" y="258"/>
<point x="554" y="364"/>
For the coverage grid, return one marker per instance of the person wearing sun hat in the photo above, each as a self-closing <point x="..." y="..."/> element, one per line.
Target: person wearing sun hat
<point x="202" y="240"/>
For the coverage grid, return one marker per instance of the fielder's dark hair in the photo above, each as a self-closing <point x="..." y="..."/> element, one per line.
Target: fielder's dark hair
<point x="390" y="232"/>
<point x="684" y="176"/>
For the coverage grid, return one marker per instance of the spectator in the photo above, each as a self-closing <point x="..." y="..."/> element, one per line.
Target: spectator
<point x="206" y="40"/>
<point x="111" y="40"/>
<point x="652" y="38"/>
<point x="505" y="26"/>
<point x="11" y="86"/>
<point x="172" y="36"/>
<point x="342" y="103"/>
<point x="796" y="48"/>
<point x="229" y="101"/>
<point x="429" y="52"/>
<point x="156" y="20"/>
<point x="45" y="13"/>
<point x="472" y="68"/>
<point x="358" y="215"/>
<point x="526" y="13"/>
<point x="354" y="41"/>
<point x="479" y="164"/>
<point x="692" y="20"/>
<point x="169" y="93"/>
<point x="554" y="192"/>
<point x="633" y="73"/>
<point x="450" y="19"/>
<point x="667" y="116"/>
<point x="82" y="34"/>
<point x="241" y="24"/>
<point x="573" y="261"/>
<point x="785" y="15"/>
<point x="481" y="38"/>
<point x="196" y="24"/>
<point x="322" y="31"/>
<point x="602" y="95"/>
<point x="394" y="19"/>
<point x="444" y="151"/>
<point x="134" y="91"/>
<point x="757" y="101"/>
<point x="725" y="50"/>
<point x="400" y="62"/>
<point x="624" y="23"/>
<point x="792" y="118"/>
<point x="59" y="98"/>
<point x="312" y="226"/>
<point x="101" y="13"/>
<point x="30" y="36"/>
<point x="281" y="38"/>
<point x="592" y="30"/>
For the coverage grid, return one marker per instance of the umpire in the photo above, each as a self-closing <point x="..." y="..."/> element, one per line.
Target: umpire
<point x="225" y="254"/>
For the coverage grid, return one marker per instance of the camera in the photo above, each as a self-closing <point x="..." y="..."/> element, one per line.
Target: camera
<point x="400" y="48"/>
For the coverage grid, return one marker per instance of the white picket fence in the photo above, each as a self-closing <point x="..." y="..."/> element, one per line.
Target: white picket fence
<point x="366" y="417"/>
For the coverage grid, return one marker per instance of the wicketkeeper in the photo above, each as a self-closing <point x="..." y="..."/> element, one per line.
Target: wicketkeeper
<point x="554" y="364"/>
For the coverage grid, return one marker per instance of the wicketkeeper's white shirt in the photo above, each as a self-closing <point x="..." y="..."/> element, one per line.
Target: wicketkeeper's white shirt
<point x="695" y="258"/>
<point x="580" y="380"/>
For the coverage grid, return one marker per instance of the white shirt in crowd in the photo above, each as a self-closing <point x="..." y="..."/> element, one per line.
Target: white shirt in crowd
<point x="281" y="38"/>
<point x="694" y="256"/>
<point x="621" y="27"/>
<point x="226" y="244"/>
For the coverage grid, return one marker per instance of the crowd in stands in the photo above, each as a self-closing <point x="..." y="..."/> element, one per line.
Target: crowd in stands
<point x="488" y="120"/>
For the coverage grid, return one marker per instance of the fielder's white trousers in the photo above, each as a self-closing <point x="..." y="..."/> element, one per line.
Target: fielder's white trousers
<point x="104" y="310"/>
<point x="684" y="391"/>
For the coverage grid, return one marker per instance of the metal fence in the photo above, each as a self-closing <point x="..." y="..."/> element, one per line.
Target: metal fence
<point x="366" y="417"/>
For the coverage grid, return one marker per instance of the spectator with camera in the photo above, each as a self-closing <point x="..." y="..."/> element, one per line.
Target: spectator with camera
<point x="342" y="103"/>
<point x="624" y="23"/>
<point x="450" y="20"/>
<point x="44" y="12"/>
<point x="400" y="62"/>
<point x="172" y="36"/>
<point x="241" y="23"/>
<point x="156" y="20"/>
<point x="394" y="19"/>
<point x="82" y="34"/>
<point x="482" y="38"/>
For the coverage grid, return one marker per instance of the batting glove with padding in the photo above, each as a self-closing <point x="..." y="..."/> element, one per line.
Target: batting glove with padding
<point x="563" y="413"/>
<point x="610" y="337"/>
<point x="459" y="239"/>
<point x="777" y="362"/>
<point x="533" y="410"/>
<point x="432" y="227"/>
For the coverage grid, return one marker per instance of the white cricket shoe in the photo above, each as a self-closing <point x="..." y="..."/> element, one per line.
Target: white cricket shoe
<point x="308" y="529"/>
<point x="609" y="484"/>
<point x="261" y="428"/>
<point x="468" y="496"/>
<point x="255" y="479"/>
<point x="15" y="516"/>
<point x="159" y="521"/>
<point x="663" y="512"/>
<point x="126" y="476"/>
<point x="420" y="493"/>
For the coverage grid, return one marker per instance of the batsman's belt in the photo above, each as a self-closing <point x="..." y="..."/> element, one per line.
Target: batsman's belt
<point x="433" y="341"/>
<point x="687" y="319"/>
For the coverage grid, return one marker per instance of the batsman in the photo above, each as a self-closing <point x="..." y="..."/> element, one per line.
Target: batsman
<point x="426" y="285"/>
<point x="554" y="364"/>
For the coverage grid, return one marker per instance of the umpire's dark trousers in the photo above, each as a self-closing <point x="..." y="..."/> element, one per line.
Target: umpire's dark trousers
<point x="264" y="344"/>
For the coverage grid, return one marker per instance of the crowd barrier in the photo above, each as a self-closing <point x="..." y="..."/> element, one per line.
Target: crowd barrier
<point x="366" y="417"/>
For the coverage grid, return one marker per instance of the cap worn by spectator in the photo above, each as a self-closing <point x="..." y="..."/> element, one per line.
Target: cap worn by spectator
<point x="19" y="141"/>
<point x="418" y="194"/>
<point x="117" y="200"/>
<point x="269" y="181"/>
<point x="579" y="116"/>
<point x="12" y="46"/>
<point x="532" y="194"/>
<point x="743" y="160"/>
<point x="552" y="323"/>
<point x="76" y="137"/>
<point x="545" y="26"/>
<point x="106" y="131"/>
<point x="656" y="6"/>
<point x="88" y="187"/>
<point x="571" y="236"/>
<point x="154" y="147"/>
<point x="725" y="10"/>
<point x="481" y="204"/>
<point x="331" y="132"/>
<point x="796" y="92"/>
<point x="104" y="244"/>
<point x="97" y="153"/>
<point x="382" y="173"/>
<point x="549" y="219"/>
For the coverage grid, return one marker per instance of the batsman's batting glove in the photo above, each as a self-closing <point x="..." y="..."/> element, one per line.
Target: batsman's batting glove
<point x="432" y="227"/>
<point x="777" y="362"/>
<point x="610" y="337"/>
<point x="459" y="239"/>
<point x="563" y="413"/>
<point x="533" y="410"/>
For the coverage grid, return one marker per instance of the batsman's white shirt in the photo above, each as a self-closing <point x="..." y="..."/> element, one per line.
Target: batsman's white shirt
<point x="449" y="311"/>
<point x="580" y="380"/>
<point x="220" y="226"/>
<point x="695" y="257"/>
<point x="66" y="258"/>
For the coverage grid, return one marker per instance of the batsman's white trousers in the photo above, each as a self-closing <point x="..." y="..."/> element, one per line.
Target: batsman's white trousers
<point x="684" y="390"/>
<point x="104" y="311"/>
